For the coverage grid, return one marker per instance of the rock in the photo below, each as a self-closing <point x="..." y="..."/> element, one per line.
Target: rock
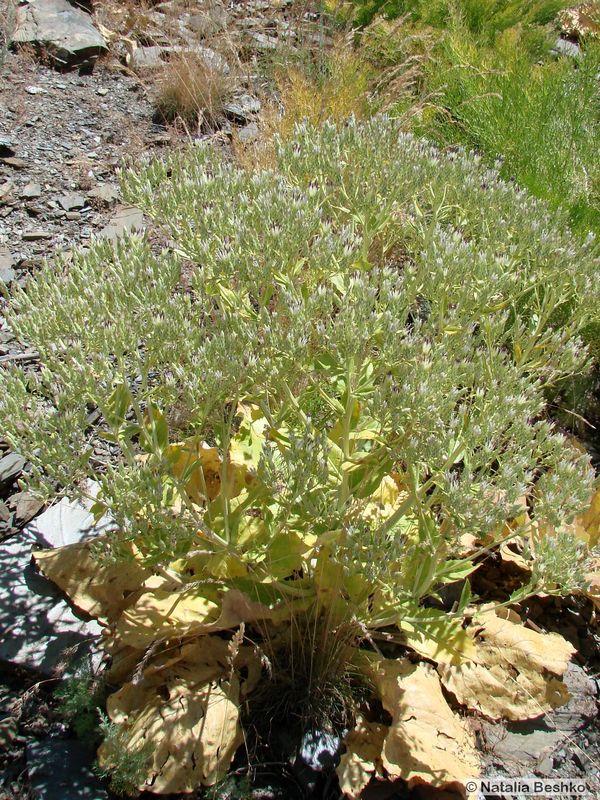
<point x="146" y="58"/>
<point x="7" y="273"/>
<point x="71" y="201"/>
<point x="68" y="522"/>
<point x="126" y="220"/>
<point x="35" y="90"/>
<point x="102" y="91"/>
<point x="262" y="42"/>
<point x="318" y="753"/>
<point x="107" y="193"/>
<point x="11" y="467"/>
<point x="212" y="59"/>
<point x="61" y="28"/>
<point x="35" y="235"/>
<point x="14" y="161"/>
<point x="208" y="22"/>
<point x="6" y="192"/>
<point x="242" y="108"/>
<point x="249" y="133"/>
<point x="31" y="191"/>
<point x="527" y="745"/>
<point x="42" y="625"/>
<point x="563" y="47"/>
<point x="27" y="507"/>
<point x="4" y="512"/>
<point x="62" y="770"/>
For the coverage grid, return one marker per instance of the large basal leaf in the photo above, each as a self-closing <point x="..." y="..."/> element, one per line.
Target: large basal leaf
<point x="427" y="741"/>
<point x="100" y="588"/>
<point x="362" y="759"/>
<point x="186" y="707"/>
<point x="198" y="610"/>
<point x="515" y="671"/>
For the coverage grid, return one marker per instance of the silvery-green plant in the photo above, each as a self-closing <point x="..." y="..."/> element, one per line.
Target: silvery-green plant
<point x="387" y="310"/>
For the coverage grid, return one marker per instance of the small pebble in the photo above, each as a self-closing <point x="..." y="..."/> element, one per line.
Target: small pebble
<point x="32" y="236"/>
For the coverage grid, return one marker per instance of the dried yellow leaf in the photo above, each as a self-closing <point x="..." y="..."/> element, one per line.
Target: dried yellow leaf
<point x="427" y="742"/>
<point x="157" y="614"/>
<point x="362" y="759"/>
<point x="593" y="578"/>
<point x="590" y="520"/>
<point x="513" y="673"/>
<point x="188" y="711"/>
<point x="432" y="634"/>
<point x="101" y="589"/>
<point x="382" y="503"/>
<point x="201" y="469"/>
<point x="167" y="614"/>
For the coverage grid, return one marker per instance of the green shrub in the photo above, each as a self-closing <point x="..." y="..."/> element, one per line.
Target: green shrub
<point x="485" y="18"/>
<point x="123" y="768"/>
<point x="363" y="337"/>
<point x="540" y="119"/>
<point x="80" y="698"/>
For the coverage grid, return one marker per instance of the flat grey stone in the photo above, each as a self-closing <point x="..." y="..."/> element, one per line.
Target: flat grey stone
<point x="7" y="273"/>
<point x="208" y="22"/>
<point x="127" y="220"/>
<point x="527" y="745"/>
<point x="263" y="42"/>
<point x="318" y="751"/>
<point x="106" y="192"/>
<point x="6" y="190"/>
<point x="211" y="58"/>
<point x="11" y="467"/>
<point x="563" y="47"/>
<point x="71" y="201"/>
<point x="66" y="31"/>
<point x="68" y="522"/>
<point x="146" y="58"/>
<point x="62" y="769"/>
<point x="35" y="235"/>
<point x="15" y="161"/>
<point x="37" y="626"/>
<point x="27" y="506"/>
<point x="243" y="108"/>
<point x="249" y="133"/>
<point x="31" y="191"/>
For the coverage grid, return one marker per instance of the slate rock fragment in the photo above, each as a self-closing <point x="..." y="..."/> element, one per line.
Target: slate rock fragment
<point x="11" y="467"/>
<point x="63" y="30"/>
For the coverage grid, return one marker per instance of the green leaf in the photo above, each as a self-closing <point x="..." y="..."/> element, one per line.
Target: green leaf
<point x="117" y="405"/>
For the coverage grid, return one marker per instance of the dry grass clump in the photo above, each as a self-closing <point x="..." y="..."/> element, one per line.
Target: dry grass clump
<point x="192" y="90"/>
<point x="358" y="75"/>
<point x="333" y="85"/>
<point x="334" y="92"/>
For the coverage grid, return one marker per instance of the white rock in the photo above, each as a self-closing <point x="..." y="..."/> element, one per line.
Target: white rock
<point x="66" y="31"/>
